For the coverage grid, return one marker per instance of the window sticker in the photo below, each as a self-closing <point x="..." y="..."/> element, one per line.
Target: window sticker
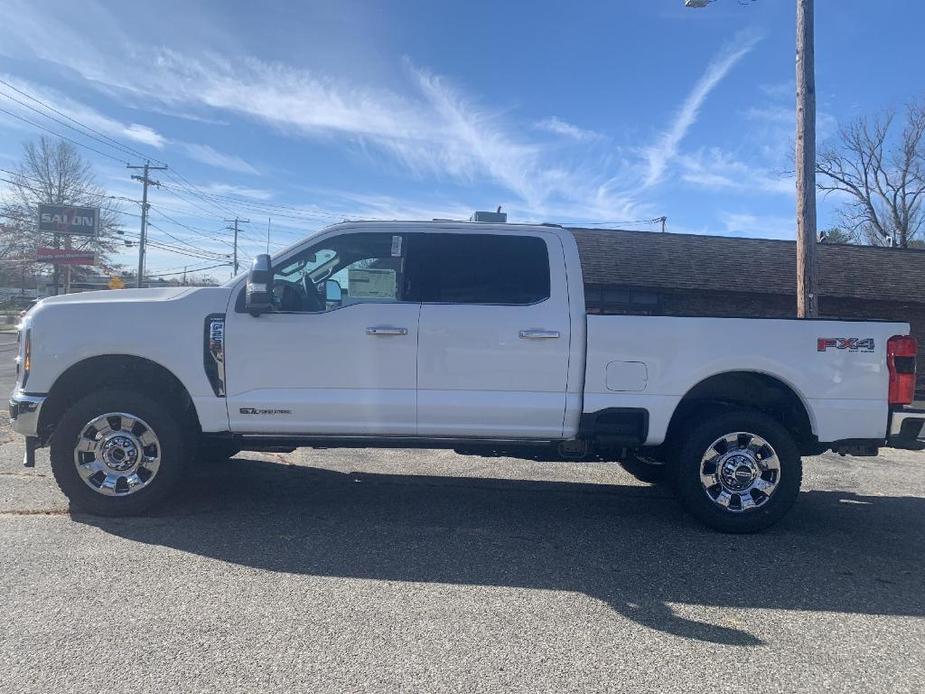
<point x="372" y="283"/>
<point x="396" y="246"/>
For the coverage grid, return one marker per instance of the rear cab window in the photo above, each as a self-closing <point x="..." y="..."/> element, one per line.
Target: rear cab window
<point x="478" y="269"/>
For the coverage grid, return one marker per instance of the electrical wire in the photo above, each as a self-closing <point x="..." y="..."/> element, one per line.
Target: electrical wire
<point x="108" y="142"/>
<point x="185" y="270"/>
<point x="63" y="137"/>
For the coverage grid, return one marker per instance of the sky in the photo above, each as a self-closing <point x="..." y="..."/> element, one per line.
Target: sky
<point x="610" y="113"/>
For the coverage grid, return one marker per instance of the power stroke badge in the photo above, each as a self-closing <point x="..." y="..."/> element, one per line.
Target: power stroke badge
<point x="258" y="410"/>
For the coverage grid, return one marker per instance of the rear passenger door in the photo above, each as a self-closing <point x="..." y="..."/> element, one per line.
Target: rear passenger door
<point x="494" y="333"/>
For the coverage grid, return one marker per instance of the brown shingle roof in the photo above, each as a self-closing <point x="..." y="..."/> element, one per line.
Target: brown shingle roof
<point x="764" y="266"/>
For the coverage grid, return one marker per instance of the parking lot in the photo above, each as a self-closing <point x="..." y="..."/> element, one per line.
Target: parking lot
<point x="354" y="570"/>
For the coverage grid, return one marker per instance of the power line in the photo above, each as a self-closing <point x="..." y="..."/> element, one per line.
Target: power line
<point x="206" y="197"/>
<point x="102" y="139"/>
<point x="20" y="184"/>
<point x="259" y="205"/>
<point x="190" y="253"/>
<point x="91" y="133"/>
<point x="202" y="232"/>
<point x="180" y="267"/>
<point x="63" y="137"/>
<point x="114" y="142"/>
<point x="185" y="270"/>
<point x="179" y="240"/>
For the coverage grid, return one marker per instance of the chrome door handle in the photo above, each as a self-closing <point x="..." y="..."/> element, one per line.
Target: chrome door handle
<point x="386" y="330"/>
<point x="539" y="334"/>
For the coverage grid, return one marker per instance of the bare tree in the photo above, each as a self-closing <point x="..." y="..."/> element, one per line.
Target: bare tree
<point x="51" y="171"/>
<point x="882" y="171"/>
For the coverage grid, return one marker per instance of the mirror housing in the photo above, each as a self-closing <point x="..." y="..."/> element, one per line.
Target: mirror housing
<point x="258" y="297"/>
<point x="333" y="294"/>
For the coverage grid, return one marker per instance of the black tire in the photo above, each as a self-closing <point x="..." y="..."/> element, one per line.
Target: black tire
<point x="211" y="451"/>
<point x="695" y="443"/>
<point x="173" y="443"/>
<point x="645" y="471"/>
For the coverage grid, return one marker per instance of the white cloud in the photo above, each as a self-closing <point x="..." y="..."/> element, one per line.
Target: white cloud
<point x="785" y="117"/>
<point x="238" y="191"/>
<point x="661" y="154"/>
<point x="208" y="155"/>
<point x="557" y="126"/>
<point x="142" y="134"/>
<point x="758" y="226"/>
<point x="716" y="169"/>
<point x="429" y="127"/>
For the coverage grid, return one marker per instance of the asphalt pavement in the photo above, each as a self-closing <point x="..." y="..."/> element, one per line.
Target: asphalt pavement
<point x="424" y="571"/>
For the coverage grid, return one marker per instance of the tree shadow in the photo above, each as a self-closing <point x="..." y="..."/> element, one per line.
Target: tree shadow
<point x="629" y="546"/>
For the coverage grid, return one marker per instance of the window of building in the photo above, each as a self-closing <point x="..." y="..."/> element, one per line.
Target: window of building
<point x="616" y="300"/>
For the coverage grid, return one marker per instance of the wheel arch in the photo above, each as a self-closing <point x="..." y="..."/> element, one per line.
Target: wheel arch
<point x="756" y="390"/>
<point x="112" y="370"/>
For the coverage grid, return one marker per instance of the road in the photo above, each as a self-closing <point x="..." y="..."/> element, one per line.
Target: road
<point x="424" y="571"/>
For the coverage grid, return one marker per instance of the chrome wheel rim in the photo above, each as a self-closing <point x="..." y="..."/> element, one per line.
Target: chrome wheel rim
<point x="117" y="454"/>
<point x="740" y="471"/>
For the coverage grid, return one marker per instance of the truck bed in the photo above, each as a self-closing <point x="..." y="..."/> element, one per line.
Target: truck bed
<point x="651" y="362"/>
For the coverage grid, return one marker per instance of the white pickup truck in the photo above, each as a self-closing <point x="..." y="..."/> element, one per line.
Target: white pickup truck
<point x="472" y="336"/>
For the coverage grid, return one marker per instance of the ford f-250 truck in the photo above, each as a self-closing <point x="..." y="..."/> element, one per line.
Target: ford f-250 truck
<point x="472" y="336"/>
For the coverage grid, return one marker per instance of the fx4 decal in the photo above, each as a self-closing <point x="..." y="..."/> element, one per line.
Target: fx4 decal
<point x="852" y="344"/>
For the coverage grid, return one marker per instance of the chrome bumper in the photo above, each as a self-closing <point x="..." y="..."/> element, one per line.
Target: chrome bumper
<point x="24" y="413"/>
<point x="907" y="429"/>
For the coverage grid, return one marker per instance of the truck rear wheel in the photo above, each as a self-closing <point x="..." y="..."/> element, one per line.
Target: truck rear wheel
<point x="117" y="453"/>
<point x="738" y="472"/>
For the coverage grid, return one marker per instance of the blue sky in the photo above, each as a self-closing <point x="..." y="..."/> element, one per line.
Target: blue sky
<point x="593" y="112"/>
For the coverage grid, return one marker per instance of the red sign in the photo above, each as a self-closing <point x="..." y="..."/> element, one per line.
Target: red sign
<point x="64" y="256"/>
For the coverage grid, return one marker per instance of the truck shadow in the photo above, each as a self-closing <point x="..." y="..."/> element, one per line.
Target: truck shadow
<point x="629" y="546"/>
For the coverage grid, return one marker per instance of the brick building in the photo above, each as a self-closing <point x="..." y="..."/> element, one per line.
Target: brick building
<point x="638" y="272"/>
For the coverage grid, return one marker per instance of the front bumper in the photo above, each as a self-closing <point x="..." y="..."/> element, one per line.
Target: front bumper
<point x="24" y="412"/>
<point x="907" y="429"/>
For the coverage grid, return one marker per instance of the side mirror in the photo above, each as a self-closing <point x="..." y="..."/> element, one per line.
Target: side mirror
<point x="258" y="297"/>
<point x="333" y="294"/>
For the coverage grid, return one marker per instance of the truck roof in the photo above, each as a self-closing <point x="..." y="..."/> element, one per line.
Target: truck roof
<point x="448" y="224"/>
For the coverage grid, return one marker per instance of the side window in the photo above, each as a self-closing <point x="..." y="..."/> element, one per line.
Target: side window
<point x="479" y="269"/>
<point x="340" y="271"/>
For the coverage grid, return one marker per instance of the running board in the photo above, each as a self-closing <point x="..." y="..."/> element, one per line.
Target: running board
<point x="285" y="443"/>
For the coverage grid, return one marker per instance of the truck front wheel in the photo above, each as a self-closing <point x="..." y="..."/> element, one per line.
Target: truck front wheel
<point x="117" y="453"/>
<point x="738" y="472"/>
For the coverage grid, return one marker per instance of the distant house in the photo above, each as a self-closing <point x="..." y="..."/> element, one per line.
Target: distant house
<point x="637" y="272"/>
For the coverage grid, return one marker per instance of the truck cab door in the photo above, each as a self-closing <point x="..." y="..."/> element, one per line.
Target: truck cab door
<point x="337" y="355"/>
<point x="494" y="334"/>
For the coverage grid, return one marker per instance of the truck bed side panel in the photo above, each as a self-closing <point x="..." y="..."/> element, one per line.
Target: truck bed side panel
<point x="651" y="362"/>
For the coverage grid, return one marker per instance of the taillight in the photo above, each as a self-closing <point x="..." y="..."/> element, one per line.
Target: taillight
<point x="901" y="351"/>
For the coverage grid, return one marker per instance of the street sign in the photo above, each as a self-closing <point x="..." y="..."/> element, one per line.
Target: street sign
<point x="65" y="219"/>
<point x="64" y="256"/>
<point x="116" y="282"/>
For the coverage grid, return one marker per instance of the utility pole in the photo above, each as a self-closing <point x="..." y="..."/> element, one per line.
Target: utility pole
<point x="807" y="300"/>
<point x="664" y="220"/>
<point x="146" y="181"/>
<point x="807" y="297"/>
<point x="236" y="221"/>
